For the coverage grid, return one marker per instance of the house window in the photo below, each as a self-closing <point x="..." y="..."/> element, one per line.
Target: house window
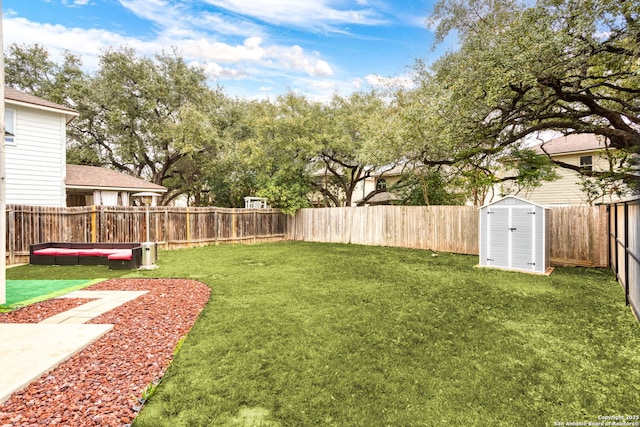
<point x="10" y="126"/>
<point x="586" y="163"/>
<point x="381" y="185"/>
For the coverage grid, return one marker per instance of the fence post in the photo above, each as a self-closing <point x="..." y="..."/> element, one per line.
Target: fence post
<point x="609" y="248"/>
<point x="603" y="237"/>
<point x="216" y="226"/>
<point x="11" y="223"/>
<point x="255" y="225"/>
<point x="62" y="217"/>
<point x="233" y="224"/>
<point x="94" y="226"/>
<point x="627" y="249"/>
<point x="615" y="239"/>
<point x="165" y="230"/>
<point x="188" y="227"/>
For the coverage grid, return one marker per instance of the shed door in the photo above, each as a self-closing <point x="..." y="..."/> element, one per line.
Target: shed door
<point x="497" y="237"/>
<point x="522" y="232"/>
<point x="511" y="237"/>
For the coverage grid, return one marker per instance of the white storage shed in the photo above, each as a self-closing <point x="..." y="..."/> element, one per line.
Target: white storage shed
<point x="514" y="235"/>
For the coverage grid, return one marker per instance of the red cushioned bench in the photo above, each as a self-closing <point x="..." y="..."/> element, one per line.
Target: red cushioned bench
<point x="118" y="256"/>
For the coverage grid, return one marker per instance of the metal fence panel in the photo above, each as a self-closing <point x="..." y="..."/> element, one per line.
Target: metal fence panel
<point x="624" y="241"/>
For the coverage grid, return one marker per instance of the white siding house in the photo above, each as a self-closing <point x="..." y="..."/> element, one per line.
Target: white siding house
<point x="584" y="150"/>
<point x="378" y="180"/>
<point x="35" y="139"/>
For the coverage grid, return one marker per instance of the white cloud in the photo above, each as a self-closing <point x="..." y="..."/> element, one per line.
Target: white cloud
<point x="252" y="51"/>
<point x="185" y="30"/>
<point x="229" y="48"/>
<point x="375" y="80"/>
<point x="357" y="83"/>
<point x="88" y="44"/>
<point x="215" y="72"/>
<point x="158" y="11"/>
<point x="75" y="2"/>
<point x="322" y="68"/>
<point x="203" y="49"/>
<point x="294" y="58"/>
<point x="308" y="14"/>
<point x="324" y="85"/>
<point x="177" y="20"/>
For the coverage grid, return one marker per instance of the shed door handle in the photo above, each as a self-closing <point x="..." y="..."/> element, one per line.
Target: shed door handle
<point x="512" y="228"/>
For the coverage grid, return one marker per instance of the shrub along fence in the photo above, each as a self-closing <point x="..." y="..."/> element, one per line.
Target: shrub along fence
<point x="624" y="242"/>
<point x="578" y="234"/>
<point x="171" y="227"/>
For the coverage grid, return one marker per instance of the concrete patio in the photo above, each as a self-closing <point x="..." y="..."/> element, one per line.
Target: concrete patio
<point x="29" y="350"/>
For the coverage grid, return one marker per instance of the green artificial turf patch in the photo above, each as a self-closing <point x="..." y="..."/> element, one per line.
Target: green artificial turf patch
<point x="24" y="292"/>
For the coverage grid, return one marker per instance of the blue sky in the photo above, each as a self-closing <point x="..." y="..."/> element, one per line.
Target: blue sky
<point x="252" y="48"/>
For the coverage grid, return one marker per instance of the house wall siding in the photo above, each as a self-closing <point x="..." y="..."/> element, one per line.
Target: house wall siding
<point x="363" y="188"/>
<point x="35" y="164"/>
<point x="566" y="190"/>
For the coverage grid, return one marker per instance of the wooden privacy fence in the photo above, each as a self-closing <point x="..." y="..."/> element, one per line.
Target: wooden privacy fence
<point x="578" y="234"/>
<point x="440" y="228"/>
<point x="624" y="242"/>
<point x="171" y="227"/>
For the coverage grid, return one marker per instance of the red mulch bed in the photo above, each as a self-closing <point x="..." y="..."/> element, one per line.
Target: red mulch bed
<point x="101" y="385"/>
<point x="39" y="311"/>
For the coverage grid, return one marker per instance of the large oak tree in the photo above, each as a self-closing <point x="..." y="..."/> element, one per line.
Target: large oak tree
<point x="153" y="118"/>
<point x="563" y="65"/>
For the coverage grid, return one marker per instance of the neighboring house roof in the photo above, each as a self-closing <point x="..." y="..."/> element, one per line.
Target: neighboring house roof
<point x="383" y="198"/>
<point x="97" y="178"/>
<point x="568" y="188"/>
<point x="13" y="96"/>
<point x="575" y="143"/>
<point x="390" y="170"/>
<point x="324" y="171"/>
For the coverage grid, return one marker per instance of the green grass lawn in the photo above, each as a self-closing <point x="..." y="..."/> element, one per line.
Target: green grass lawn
<point x="301" y="334"/>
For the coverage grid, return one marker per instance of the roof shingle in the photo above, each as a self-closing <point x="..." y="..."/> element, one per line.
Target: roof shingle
<point x="18" y="96"/>
<point x="79" y="176"/>
<point x="572" y="144"/>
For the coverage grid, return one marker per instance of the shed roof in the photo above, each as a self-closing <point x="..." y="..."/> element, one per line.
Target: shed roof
<point x="512" y="197"/>
<point x="93" y="177"/>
